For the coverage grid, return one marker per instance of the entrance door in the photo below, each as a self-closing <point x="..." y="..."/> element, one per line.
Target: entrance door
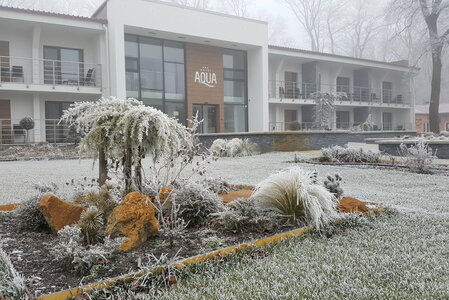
<point x="5" y="122"/>
<point x="290" y="85"/>
<point x="387" y="121"/>
<point x="209" y="114"/>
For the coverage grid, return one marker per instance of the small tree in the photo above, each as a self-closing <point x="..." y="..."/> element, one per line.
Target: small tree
<point x="325" y="107"/>
<point x="27" y="123"/>
<point x="125" y="131"/>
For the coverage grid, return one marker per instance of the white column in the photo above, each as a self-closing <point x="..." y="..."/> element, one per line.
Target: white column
<point x="117" y="60"/>
<point x="35" y="55"/>
<point x="39" y="120"/>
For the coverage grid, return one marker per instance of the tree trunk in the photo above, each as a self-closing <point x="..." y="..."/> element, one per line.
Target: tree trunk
<point x="434" y="116"/>
<point x="127" y="170"/>
<point x="103" y="167"/>
<point x="138" y="170"/>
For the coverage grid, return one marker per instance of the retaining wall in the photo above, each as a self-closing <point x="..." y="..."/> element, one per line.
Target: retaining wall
<point x="392" y="146"/>
<point x="302" y="140"/>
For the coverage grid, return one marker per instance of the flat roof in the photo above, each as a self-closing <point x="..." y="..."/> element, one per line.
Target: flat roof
<point x="190" y="8"/>
<point x="394" y="64"/>
<point x="52" y="14"/>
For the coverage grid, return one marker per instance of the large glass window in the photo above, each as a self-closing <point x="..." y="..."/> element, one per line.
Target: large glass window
<point x="155" y="74"/>
<point x="63" y="66"/>
<point x="235" y="90"/>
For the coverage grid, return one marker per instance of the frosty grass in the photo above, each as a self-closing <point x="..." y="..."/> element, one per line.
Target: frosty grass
<point x="401" y="257"/>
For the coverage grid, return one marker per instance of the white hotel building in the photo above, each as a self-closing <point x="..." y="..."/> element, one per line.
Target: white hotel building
<point x="183" y="60"/>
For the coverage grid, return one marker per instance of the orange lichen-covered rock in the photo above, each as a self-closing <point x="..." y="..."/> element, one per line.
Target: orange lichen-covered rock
<point x="351" y="205"/>
<point x="8" y="207"/>
<point x="234" y="195"/>
<point x="59" y="213"/>
<point x="135" y="219"/>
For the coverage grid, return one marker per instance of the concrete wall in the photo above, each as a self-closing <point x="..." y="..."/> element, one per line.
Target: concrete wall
<point x="392" y="147"/>
<point x="301" y="141"/>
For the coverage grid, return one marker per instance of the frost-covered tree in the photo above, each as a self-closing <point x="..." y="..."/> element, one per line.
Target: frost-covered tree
<point x="125" y="131"/>
<point x="325" y="107"/>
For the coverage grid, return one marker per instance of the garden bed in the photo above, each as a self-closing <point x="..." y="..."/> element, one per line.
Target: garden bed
<point x="29" y="252"/>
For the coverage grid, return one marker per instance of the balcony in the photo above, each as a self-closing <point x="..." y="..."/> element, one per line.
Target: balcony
<point x="335" y="126"/>
<point x="51" y="130"/>
<point x="43" y="74"/>
<point x="303" y="92"/>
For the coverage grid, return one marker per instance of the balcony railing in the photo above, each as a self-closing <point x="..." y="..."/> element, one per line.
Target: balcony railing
<point x="50" y="131"/>
<point x="305" y="126"/>
<point x="49" y="72"/>
<point x="351" y="94"/>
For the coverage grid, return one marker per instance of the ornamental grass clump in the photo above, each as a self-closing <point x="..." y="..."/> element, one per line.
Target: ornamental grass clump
<point x="298" y="196"/>
<point x="12" y="285"/>
<point x="234" y="148"/>
<point x="345" y="154"/>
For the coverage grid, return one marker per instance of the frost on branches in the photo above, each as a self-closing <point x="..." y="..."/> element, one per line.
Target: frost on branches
<point x="125" y="131"/>
<point x="324" y="108"/>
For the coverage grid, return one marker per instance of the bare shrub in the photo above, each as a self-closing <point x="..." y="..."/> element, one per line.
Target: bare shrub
<point x="345" y="154"/>
<point x="418" y="157"/>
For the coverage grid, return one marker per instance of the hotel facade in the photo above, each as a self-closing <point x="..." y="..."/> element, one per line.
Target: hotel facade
<point x="183" y="61"/>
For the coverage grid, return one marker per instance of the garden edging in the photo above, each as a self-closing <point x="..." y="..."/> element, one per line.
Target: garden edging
<point x="181" y="264"/>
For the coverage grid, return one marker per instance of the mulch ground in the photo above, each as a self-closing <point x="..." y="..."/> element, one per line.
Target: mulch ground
<point x="31" y="256"/>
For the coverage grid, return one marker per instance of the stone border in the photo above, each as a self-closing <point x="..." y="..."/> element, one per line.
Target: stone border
<point x="181" y="264"/>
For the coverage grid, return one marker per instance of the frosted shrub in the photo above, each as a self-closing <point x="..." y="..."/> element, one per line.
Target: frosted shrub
<point x="246" y="214"/>
<point x="234" y="148"/>
<point x="297" y="195"/>
<point x="196" y="203"/>
<point x="28" y="215"/>
<point x="73" y="255"/>
<point x="218" y="185"/>
<point x="12" y="285"/>
<point x="332" y="184"/>
<point x="418" y="157"/>
<point x="345" y="154"/>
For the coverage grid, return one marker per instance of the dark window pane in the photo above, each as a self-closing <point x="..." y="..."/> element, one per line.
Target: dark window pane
<point x="235" y="118"/>
<point x="174" y="81"/>
<point x="132" y="64"/>
<point x="131" y="46"/>
<point x="151" y="64"/>
<point x="234" y="91"/>
<point x="173" y="52"/>
<point x="156" y="103"/>
<point x="234" y="59"/>
<point x="176" y="110"/>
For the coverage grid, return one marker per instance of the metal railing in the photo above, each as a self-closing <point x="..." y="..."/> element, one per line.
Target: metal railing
<point x="49" y="72"/>
<point x="305" y="126"/>
<point x="49" y="130"/>
<point x="351" y="94"/>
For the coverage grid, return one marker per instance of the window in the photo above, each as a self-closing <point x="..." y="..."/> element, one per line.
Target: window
<point x="155" y="74"/>
<point x="447" y="126"/>
<point x="343" y="84"/>
<point x="342" y="119"/>
<point x="63" y="66"/>
<point x="235" y="90"/>
<point x="55" y="132"/>
<point x="387" y="121"/>
<point x="387" y="92"/>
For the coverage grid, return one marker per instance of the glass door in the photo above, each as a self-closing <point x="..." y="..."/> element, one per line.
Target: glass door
<point x="387" y="121"/>
<point x="208" y="114"/>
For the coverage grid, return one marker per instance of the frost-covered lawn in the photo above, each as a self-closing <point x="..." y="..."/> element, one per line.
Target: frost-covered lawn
<point x="403" y="257"/>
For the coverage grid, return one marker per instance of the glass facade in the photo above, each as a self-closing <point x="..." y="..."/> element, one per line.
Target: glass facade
<point x="155" y="74"/>
<point x="235" y="91"/>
